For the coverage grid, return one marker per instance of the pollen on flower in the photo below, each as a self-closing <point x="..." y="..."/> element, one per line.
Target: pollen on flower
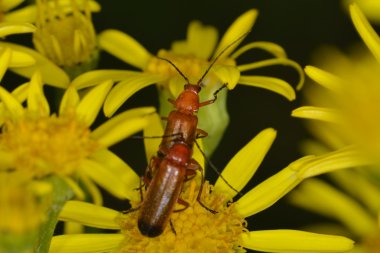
<point x="46" y="145"/>
<point x="197" y="229"/>
<point x="66" y="34"/>
<point x="372" y="244"/>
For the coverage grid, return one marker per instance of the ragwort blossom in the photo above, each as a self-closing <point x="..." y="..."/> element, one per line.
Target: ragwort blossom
<point x="199" y="230"/>
<point x="39" y="143"/>
<point x="346" y="107"/>
<point x="192" y="57"/>
<point x="65" y="38"/>
<point x="12" y="13"/>
<point x="65" y="34"/>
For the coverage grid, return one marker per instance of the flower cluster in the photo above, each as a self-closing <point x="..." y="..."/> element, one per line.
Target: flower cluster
<point x="345" y="109"/>
<point x="59" y="126"/>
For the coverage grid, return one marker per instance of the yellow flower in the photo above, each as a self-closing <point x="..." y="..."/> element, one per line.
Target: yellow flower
<point x="10" y="12"/>
<point x="357" y="208"/>
<point x="192" y="57"/>
<point x="346" y="107"/>
<point x="26" y="61"/>
<point x="199" y="230"/>
<point x="39" y="143"/>
<point x="347" y="103"/>
<point x="65" y="34"/>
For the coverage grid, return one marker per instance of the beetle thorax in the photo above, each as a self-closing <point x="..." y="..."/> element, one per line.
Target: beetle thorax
<point x="188" y="100"/>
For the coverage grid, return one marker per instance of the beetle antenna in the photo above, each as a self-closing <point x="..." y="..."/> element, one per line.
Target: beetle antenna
<point x="213" y="167"/>
<point x="176" y="68"/>
<point x="220" y="54"/>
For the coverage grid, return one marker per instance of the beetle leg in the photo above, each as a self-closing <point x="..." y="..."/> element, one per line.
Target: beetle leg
<point x="194" y="165"/>
<point x="184" y="203"/>
<point x="172" y="227"/>
<point x="201" y="133"/>
<point x="211" y="101"/>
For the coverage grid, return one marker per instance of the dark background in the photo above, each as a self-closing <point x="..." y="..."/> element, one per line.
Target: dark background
<point x="297" y="25"/>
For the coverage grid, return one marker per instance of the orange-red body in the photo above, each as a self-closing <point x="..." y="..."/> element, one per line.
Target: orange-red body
<point x="173" y="164"/>
<point x="164" y="191"/>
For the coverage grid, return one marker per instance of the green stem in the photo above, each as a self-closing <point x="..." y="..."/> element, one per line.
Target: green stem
<point x="61" y="193"/>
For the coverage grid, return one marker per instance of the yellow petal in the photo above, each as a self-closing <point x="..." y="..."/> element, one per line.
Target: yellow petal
<point x="11" y="104"/>
<point x="294" y="241"/>
<point x="5" y="58"/>
<point x="153" y="129"/>
<point x="198" y="155"/>
<point x="121" y="126"/>
<point x="37" y="101"/>
<point x="272" y="48"/>
<point x="365" y="30"/>
<point x="347" y="157"/>
<point x="29" y="12"/>
<point x="126" y="88"/>
<point x="244" y="164"/>
<point x="229" y="75"/>
<point x="67" y="5"/>
<point x="74" y="186"/>
<point x="271" y="190"/>
<point x="85" y="243"/>
<point x="8" y="28"/>
<point x="331" y="141"/>
<point x="240" y="26"/>
<point x="72" y="228"/>
<point x="93" y="191"/>
<point x="317" y="113"/>
<point x="89" y="214"/>
<point x="90" y="105"/>
<point x="324" y="78"/>
<point x="201" y="39"/>
<point x="7" y="5"/>
<point x="370" y="8"/>
<point x="69" y="100"/>
<point x="103" y="177"/>
<point x="21" y="91"/>
<point x="51" y="73"/>
<point x="175" y="86"/>
<point x="92" y="78"/>
<point x="270" y="83"/>
<point x="318" y="196"/>
<point x="124" y="47"/>
<point x="18" y="58"/>
<point x="273" y="62"/>
<point x="358" y="185"/>
<point x="25" y="14"/>
<point x="118" y="167"/>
